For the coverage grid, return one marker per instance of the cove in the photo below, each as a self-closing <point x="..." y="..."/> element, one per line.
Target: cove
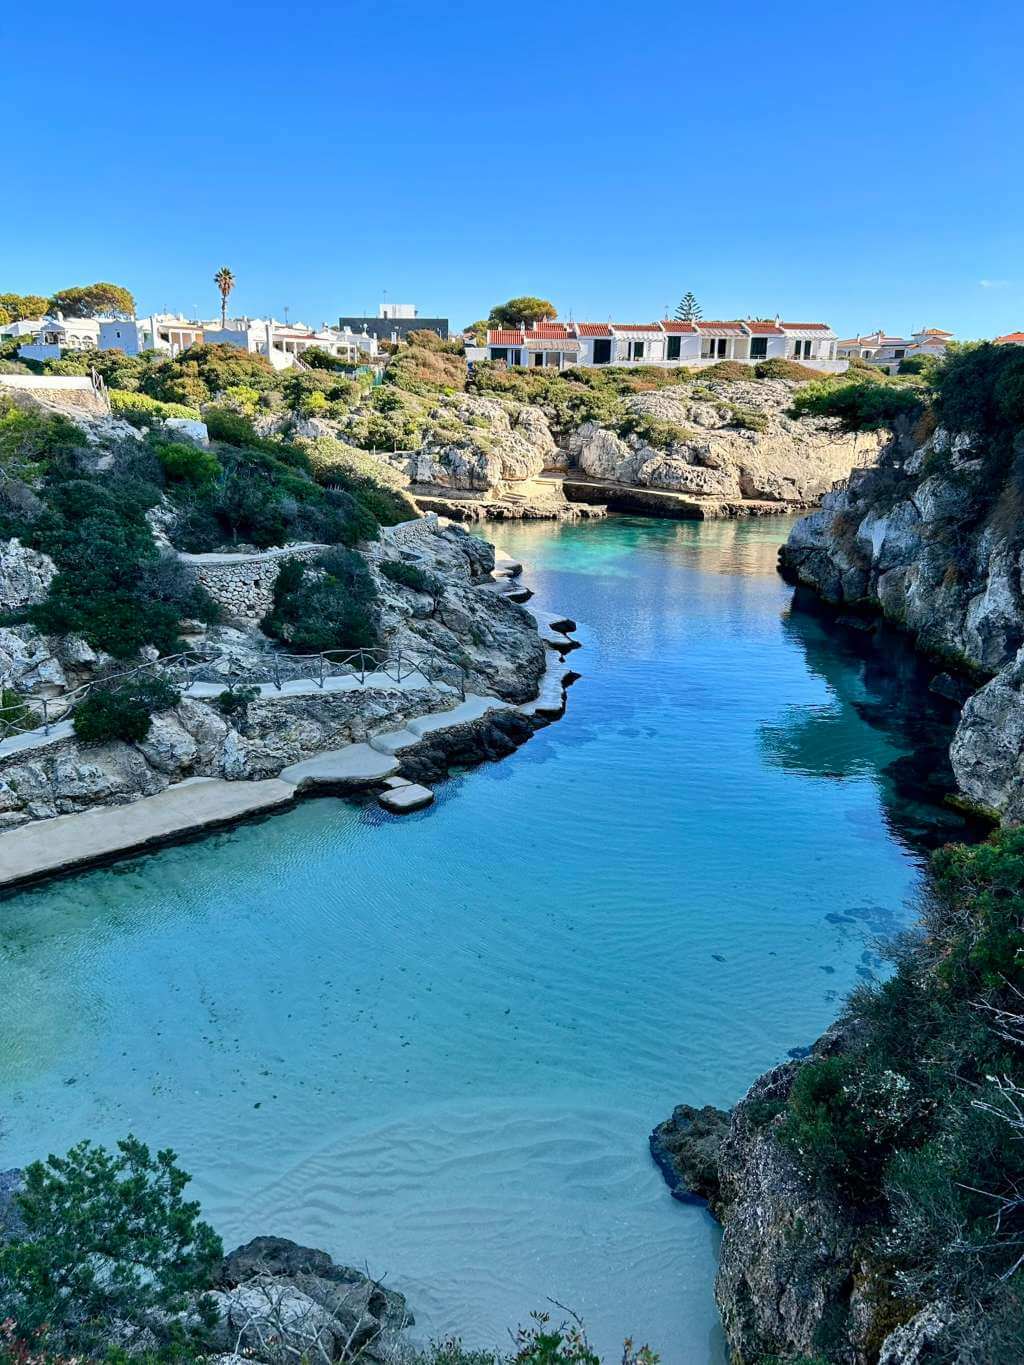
<point x="435" y="1046"/>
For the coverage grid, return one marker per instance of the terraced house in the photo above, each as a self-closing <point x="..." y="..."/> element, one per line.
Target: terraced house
<point x="693" y="344"/>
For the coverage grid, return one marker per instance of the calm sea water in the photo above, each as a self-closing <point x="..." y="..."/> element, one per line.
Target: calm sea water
<point x="436" y="1045"/>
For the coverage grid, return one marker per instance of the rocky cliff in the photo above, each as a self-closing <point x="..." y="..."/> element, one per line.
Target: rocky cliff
<point x="932" y="540"/>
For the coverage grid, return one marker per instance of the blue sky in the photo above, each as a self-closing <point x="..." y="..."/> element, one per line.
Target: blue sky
<point x="861" y="164"/>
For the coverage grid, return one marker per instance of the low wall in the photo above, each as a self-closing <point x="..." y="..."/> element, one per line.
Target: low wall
<point x="243" y="584"/>
<point x="67" y="390"/>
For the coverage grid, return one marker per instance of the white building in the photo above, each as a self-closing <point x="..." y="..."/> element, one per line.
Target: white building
<point x="24" y="327"/>
<point x="887" y="351"/>
<point x="59" y="334"/>
<point x="169" y="333"/>
<point x="669" y="343"/>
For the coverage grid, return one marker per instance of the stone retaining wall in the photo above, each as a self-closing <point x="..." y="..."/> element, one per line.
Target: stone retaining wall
<point x="243" y="585"/>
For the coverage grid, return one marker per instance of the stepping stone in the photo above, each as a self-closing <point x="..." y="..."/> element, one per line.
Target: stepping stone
<point x="355" y="763"/>
<point x="401" y="800"/>
<point x="395" y="782"/>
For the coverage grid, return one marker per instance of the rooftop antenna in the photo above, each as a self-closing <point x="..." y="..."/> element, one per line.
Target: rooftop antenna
<point x="286" y="315"/>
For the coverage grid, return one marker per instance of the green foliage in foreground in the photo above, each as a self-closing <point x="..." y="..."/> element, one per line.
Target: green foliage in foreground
<point x="408" y="575"/>
<point x="123" y="710"/>
<point x="327" y="605"/>
<point x="107" y="1236"/>
<point x="30" y="439"/>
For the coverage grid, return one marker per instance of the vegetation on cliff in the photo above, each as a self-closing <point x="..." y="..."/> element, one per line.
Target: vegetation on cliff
<point x="918" y="1123"/>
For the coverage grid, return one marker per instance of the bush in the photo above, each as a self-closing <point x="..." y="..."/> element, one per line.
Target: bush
<point x="15" y="714"/>
<point x="123" y="710"/>
<point x="860" y="404"/>
<point x="918" y="364"/>
<point x="408" y="575"/>
<point x="372" y="482"/>
<point x="727" y="369"/>
<point x="107" y="1238"/>
<point x="189" y="464"/>
<point x="327" y="605"/>
<point x="224" y="424"/>
<point x="143" y="411"/>
<point x="204" y="371"/>
<point x="30" y="439"/>
<point x="778" y="368"/>
<point x="112" y="587"/>
<point x="653" y="432"/>
<point x="235" y="701"/>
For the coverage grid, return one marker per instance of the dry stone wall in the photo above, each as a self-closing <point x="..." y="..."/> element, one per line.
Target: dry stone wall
<point x="243" y="585"/>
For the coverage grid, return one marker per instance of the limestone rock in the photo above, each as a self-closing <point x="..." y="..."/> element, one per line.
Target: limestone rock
<point x="27" y="663"/>
<point x="187" y="429"/>
<point x="25" y="575"/>
<point x="168" y="747"/>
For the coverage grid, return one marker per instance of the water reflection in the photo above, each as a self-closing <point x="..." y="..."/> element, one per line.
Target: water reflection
<point x="874" y="676"/>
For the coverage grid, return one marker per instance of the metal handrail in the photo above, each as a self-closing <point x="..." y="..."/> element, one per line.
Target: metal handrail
<point x="189" y="664"/>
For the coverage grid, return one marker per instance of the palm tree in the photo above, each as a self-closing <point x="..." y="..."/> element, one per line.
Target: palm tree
<point x="225" y="282"/>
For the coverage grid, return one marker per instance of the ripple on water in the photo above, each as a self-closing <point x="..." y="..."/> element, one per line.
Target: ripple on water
<point x="437" y="1045"/>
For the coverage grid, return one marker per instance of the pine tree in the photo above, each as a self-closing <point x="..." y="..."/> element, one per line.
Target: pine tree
<point x="689" y="309"/>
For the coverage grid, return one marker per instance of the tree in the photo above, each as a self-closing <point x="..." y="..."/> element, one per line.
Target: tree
<point x="106" y="1236"/>
<point x="225" y="282"/>
<point x="90" y="300"/>
<point x="689" y="309"/>
<point x="526" y="309"/>
<point x="478" y="331"/>
<point x="20" y="306"/>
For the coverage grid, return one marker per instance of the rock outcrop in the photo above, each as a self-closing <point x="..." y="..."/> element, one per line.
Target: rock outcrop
<point x="480" y="444"/>
<point x="25" y="575"/>
<point x="460" y="637"/>
<point x="931" y="541"/>
<point x="722" y="440"/>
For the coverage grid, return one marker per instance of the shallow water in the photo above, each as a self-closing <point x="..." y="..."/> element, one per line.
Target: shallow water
<point x="436" y="1045"/>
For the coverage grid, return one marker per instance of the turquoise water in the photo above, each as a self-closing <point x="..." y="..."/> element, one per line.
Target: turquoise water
<point x="436" y="1045"/>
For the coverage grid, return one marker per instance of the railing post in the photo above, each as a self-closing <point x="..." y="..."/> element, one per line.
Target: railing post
<point x="321" y="669"/>
<point x="46" y="717"/>
<point x="277" y="673"/>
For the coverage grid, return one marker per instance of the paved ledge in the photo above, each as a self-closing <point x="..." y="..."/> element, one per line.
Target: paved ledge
<point x="68" y="842"/>
<point x="355" y="764"/>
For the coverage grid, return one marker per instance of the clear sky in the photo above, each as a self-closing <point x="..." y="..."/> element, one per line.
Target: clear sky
<point x="857" y="163"/>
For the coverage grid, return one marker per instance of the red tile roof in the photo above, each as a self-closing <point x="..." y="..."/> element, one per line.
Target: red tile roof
<point x="1011" y="338"/>
<point x="593" y="329"/>
<point x="732" y="328"/>
<point x="636" y="327"/>
<point x="549" y="329"/>
<point x="504" y="338"/>
<point x="765" y="329"/>
<point x="935" y="332"/>
<point x="808" y="326"/>
<point x="677" y="328"/>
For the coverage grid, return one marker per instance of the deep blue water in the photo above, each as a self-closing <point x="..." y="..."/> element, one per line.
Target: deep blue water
<point x="436" y="1045"/>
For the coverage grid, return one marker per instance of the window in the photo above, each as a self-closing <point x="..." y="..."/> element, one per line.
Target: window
<point x="553" y="358"/>
<point x="758" y="348"/>
<point x="636" y="350"/>
<point x="515" y="357"/>
<point x="499" y="353"/>
<point x="602" y="351"/>
<point x="899" y="353"/>
<point x="801" y="350"/>
<point x="713" y="348"/>
<point x="538" y="358"/>
<point x="675" y="348"/>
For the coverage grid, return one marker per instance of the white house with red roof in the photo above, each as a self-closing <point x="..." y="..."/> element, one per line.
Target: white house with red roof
<point x="670" y="343"/>
<point x="1011" y="339"/>
<point x="887" y="351"/>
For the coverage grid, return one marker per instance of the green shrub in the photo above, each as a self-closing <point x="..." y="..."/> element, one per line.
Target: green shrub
<point x="112" y="586"/>
<point x="327" y="605"/>
<point x="408" y="575"/>
<point x="31" y="439"/>
<point x="778" y="368"/>
<point x="918" y="364"/>
<point x="860" y="404"/>
<point x="235" y="701"/>
<point x="378" y="486"/>
<point x="183" y="462"/>
<point x="748" y="419"/>
<point x="15" y="713"/>
<point x="107" y="1237"/>
<point x="652" y="431"/>
<point x="204" y="371"/>
<point x="122" y="710"/>
<point x="224" y="424"/>
<point x="727" y="369"/>
<point x="141" y="410"/>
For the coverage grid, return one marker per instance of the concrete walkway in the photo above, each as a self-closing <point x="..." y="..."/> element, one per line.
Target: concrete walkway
<point x="69" y="843"/>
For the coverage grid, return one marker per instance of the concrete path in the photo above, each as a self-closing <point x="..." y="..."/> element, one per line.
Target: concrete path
<point x="73" y="841"/>
<point x="354" y="765"/>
